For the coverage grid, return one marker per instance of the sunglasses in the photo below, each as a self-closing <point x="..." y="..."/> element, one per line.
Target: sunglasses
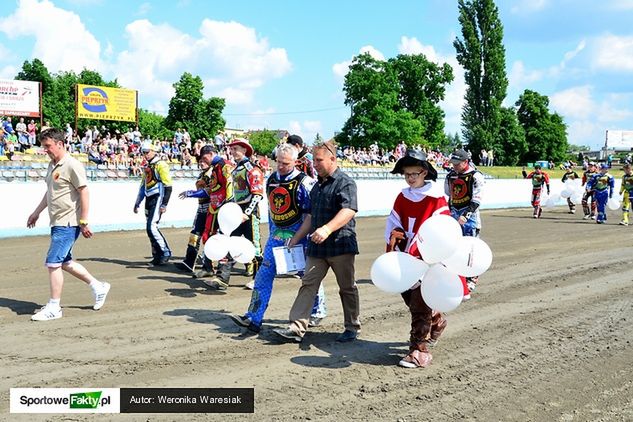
<point x="321" y="144"/>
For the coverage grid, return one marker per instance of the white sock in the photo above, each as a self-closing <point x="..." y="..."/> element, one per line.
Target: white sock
<point x="95" y="285"/>
<point x="54" y="303"/>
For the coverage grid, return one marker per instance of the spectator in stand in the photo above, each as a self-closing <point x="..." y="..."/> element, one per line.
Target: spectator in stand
<point x="178" y="136"/>
<point x="186" y="157"/>
<point x="68" y="134"/>
<point x="196" y="148"/>
<point x="218" y="140"/>
<point x="483" y="158"/>
<point x="136" y="135"/>
<point x="12" y="141"/>
<point x="94" y="155"/>
<point x="31" y="129"/>
<point x="186" y="138"/>
<point x="23" y="135"/>
<point x="136" y="164"/>
<point x="7" y="126"/>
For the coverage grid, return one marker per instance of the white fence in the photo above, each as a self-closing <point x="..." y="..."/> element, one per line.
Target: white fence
<point x="111" y="203"/>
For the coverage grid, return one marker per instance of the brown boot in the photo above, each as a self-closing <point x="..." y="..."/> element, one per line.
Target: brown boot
<point x="438" y="324"/>
<point x="418" y="357"/>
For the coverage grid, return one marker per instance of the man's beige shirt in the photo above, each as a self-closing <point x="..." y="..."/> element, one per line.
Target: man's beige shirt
<point x="62" y="197"/>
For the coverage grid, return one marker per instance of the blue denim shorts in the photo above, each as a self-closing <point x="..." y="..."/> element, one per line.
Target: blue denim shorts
<point x="62" y="240"/>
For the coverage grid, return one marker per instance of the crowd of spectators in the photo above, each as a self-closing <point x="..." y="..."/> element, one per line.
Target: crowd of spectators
<point x="19" y="138"/>
<point x="374" y="155"/>
<point x="122" y="150"/>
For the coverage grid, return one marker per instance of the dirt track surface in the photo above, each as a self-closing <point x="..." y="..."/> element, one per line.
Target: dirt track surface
<point x="546" y="337"/>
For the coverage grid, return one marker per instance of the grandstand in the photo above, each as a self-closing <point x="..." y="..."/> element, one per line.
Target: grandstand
<point x="32" y="166"/>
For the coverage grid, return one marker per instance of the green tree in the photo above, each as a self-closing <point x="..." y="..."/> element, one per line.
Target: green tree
<point x="393" y="101"/>
<point x="482" y="55"/>
<point x="153" y="125"/>
<point x="453" y="142"/>
<point x="36" y="71"/>
<point x="421" y="86"/>
<point x="188" y="109"/>
<point x="510" y="146"/>
<point x="545" y="132"/>
<point x="263" y="141"/>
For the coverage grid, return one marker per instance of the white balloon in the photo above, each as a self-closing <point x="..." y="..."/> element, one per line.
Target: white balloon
<point x="229" y="217"/>
<point x="442" y="289"/>
<point x="472" y="257"/>
<point x="241" y="249"/>
<point x="437" y="238"/>
<point x="396" y="272"/>
<point x="613" y="204"/>
<point x="576" y="197"/>
<point x="565" y="193"/>
<point x="577" y="186"/>
<point x="217" y="247"/>
<point x="552" y="200"/>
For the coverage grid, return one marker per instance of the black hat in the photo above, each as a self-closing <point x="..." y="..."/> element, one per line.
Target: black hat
<point x="459" y="155"/>
<point x="207" y="149"/>
<point x="415" y="158"/>
<point x="295" y="140"/>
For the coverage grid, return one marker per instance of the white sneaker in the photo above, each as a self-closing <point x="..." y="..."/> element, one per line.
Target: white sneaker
<point x="100" y="296"/>
<point x="47" y="313"/>
<point x="250" y="285"/>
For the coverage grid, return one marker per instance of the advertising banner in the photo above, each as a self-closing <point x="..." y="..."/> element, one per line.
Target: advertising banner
<point x="104" y="103"/>
<point x="620" y="140"/>
<point x="19" y="98"/>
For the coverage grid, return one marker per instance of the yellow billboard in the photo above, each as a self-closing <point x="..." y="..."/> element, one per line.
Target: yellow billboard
<point x="104" y="103"/>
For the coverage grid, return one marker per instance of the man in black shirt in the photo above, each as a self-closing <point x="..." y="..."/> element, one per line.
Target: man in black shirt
<point x="332" y="244"/>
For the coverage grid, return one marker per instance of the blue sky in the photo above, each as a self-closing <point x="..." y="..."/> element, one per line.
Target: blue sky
<point x="280" y="64"/>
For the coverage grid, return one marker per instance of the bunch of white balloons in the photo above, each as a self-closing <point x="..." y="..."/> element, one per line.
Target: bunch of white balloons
<point x="446" y="255"/>
<point x="574" y="191"/>
<point x="219" y="245"/>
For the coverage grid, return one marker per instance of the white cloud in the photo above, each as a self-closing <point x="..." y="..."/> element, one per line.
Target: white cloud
<point x="159" y="107"/>
<point x="5" y="53"/>
<point x="230" y="57"/>
<point x="612" y="52"/>
<point x="413" y="46"/>
<point x="529" y="6"/>
<point x="8" y="72"/>
<point x="62" y="41"/>
<point x="236" y="95"/>
<point x="621" y="4"/>
<point x="307" y="129"/>
<point x="575" y="103"/>
<point x="340" y="69"/>
<point x="520" y="78"/>
<point x="585" y="132"/>
<point x="587" y="117"/>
